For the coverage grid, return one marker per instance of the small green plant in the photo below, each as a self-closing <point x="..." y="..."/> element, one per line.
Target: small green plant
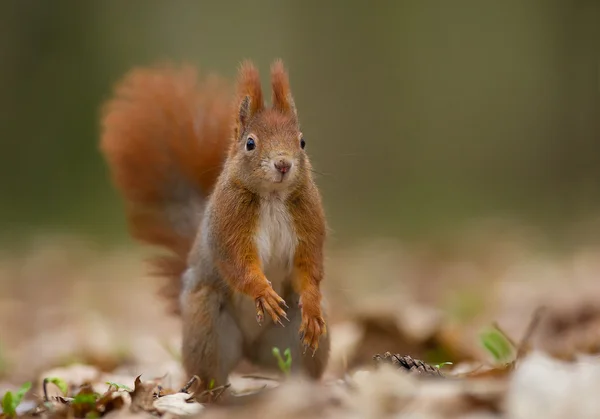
<point x="86" y="399"/>
<point x="284" y="366"/>
<point x="60" y="383"/>
<point x="85" y="403"/>
<point x="211" y="384"/>
<point x="11" y="401"/>
<point x="442" y="365"/>
<point x="118" y="386"/>
<point x="498" y="345"/>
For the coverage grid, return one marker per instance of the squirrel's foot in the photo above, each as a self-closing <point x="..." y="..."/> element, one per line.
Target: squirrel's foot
<point x="273" y="304"/>
<point x="311" y="329"/>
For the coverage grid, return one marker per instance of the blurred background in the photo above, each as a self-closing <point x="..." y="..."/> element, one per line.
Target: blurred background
<point x="458" y="147"/>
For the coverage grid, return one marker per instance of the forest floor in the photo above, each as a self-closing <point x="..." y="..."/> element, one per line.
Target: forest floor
<point x="480" y="328"/>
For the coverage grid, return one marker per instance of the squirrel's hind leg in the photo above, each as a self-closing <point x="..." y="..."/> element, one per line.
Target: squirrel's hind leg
<point x="212" y="342"/>
<point x="275" y="335"/>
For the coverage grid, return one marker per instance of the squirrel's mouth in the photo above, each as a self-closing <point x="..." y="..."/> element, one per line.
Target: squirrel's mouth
<point x="281" y="177"/>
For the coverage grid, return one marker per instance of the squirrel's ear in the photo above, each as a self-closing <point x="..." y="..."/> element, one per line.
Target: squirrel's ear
<point x="282" y="95"/>
<point x="250" y="93"/>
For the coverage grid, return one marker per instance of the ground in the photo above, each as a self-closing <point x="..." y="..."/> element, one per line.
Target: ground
<point x="520" y="327"/>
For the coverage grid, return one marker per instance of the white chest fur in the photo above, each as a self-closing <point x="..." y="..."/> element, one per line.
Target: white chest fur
<point x="276" y="238"/>
<point x="276" y="242"/>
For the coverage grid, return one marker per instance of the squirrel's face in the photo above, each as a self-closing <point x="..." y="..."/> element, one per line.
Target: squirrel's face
<point x="270" y="152"/>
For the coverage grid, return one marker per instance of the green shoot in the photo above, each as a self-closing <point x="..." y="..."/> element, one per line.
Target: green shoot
<point x="442" y="365"/>
<point x="497" y="345"/>
<point x="211" y="385"/>
<point x="86" y="399"/>
<point x="60" y="383"/>
<point x="119" y="386"/>
<point x="11" y="401"/>
<point x="284" y="366"/>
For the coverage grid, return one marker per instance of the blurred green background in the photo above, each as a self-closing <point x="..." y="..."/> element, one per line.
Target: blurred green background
<point x="421" y="115"/>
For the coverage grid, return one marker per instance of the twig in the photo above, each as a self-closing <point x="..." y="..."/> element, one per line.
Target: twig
<point x="45" y="388"/>
<point x="508" y="338"/>
<point x="533" y="323"/>
<point x="260" y="377"/>
<point x="221" y="389"/>
<point x="186" y="387"/>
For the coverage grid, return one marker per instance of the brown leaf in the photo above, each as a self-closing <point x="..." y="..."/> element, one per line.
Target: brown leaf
<point x="416" y="331"/>
<point x="491" y="372"/>
<point x="111" y="400"/>
<point x="568" y="331"/>
<point x="142" y="396"/>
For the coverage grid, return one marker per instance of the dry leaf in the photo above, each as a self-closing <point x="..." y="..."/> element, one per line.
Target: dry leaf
<point x="142" y="396"/>
<point x="110" y="401"/>
<point x="179" y="404"/>
<point x="568" y="331"/>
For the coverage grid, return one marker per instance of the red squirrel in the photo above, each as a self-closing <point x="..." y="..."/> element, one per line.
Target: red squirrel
<point x="223" y="183"/>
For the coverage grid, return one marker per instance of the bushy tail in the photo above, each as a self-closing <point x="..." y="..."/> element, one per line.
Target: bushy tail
<point x="165" y="135"/>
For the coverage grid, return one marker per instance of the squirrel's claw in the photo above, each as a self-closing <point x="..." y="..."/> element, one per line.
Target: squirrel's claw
<point x="260" y="313"/>
<point x="272" y="303"/>
<point x="311" y="330"/>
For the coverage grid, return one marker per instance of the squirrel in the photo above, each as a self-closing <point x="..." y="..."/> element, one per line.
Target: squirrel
<point x="223" y="183"/>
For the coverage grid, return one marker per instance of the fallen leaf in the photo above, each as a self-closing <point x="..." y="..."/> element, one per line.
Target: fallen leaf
<point x="180" y="404"/>
<point x="112" y="400"/>
<point x="142" y="396"/>
<point x="568" y="331"/>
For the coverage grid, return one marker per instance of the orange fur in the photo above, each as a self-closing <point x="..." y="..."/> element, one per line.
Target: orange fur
<point x="282" y="97"/>
<point x="249" y="85"/>
<point x="164" y="128"/>
<point x="250" y="97"/>
<point x="309" y="220"/>
<point x="172" y="141"/>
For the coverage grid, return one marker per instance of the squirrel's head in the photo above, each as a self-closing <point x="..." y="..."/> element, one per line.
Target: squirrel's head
<point x="268" y="148"/>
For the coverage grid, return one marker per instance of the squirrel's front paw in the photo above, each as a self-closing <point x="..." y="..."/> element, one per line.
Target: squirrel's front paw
<point x="311" y="329"/>
<point x="270" y="301"/>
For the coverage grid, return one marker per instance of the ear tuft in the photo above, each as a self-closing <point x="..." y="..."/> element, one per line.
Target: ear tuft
<point x="282" y="95"/>
<point x="249" y="91"/>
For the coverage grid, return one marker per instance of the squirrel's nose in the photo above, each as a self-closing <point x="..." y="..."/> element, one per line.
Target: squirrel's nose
<point x="283" y="165"/>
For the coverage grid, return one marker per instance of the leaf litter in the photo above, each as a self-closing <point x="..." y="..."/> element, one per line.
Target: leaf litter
<point x="388" y="360"/>
<point x="391" y="385"/>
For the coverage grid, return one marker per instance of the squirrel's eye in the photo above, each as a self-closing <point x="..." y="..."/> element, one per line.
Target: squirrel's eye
<point x="250" y="144"/>
<point x="302" y="143"/>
